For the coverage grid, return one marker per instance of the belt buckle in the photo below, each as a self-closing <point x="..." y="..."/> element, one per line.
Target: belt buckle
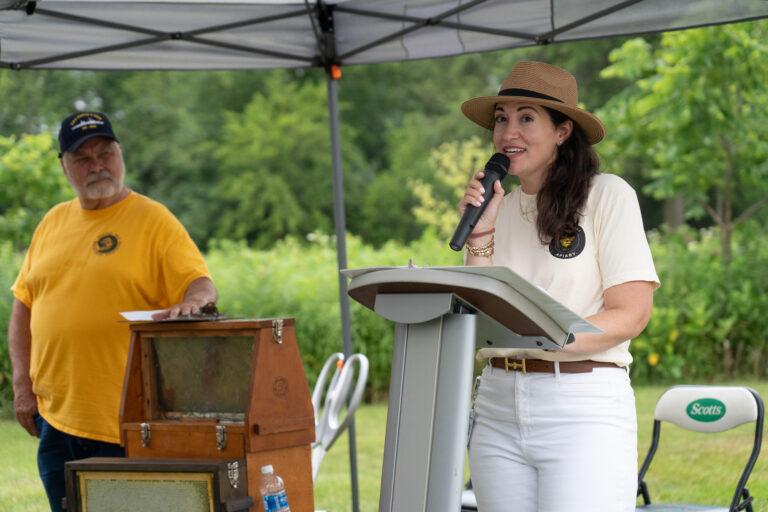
<point x="514" y="365"/>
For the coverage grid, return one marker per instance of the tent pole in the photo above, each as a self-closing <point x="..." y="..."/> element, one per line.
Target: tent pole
<point x="341" y="252"/>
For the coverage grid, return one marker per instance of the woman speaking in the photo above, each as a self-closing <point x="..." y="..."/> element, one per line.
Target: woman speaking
<point x="560" y="435"/>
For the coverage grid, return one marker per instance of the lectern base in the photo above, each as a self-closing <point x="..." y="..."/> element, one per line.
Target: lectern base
<point x="429" y="400"/>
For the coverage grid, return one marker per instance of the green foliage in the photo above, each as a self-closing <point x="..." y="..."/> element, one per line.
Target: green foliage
<point x="453" y="164"/>
<point x="693" y="119"/>
<point x="276" y="165"/>
<point x="31" y="181"/>
<point x="8" y="270"/>
<point x="176" y="129"/>
<point x="707" y="318"/>
<point x="699" y="306"/>
<point x="36" y="101"/>
<point x="300" y="281"/>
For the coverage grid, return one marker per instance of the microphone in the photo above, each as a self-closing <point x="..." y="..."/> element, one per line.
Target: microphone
<point x="495" y="170"/>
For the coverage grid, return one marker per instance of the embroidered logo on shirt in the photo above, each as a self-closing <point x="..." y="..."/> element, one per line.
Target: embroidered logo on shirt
<point x="568" y="246"/>
<point x="106" y="243"/>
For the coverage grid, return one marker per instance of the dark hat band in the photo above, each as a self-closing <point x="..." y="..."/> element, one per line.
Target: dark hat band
<point x="528" y="94"/>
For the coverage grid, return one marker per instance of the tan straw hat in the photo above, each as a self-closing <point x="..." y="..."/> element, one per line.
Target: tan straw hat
<point x="541" y="84"/>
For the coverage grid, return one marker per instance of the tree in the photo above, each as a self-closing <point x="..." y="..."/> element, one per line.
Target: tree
<point x="695" y="120"/>
<point x="37" y="101"/>
<point x="275" y="164"/>
<point x="31" y="182"/>
<point x="454" y="163"/>
<point x="173" y="128"/>
<point x="388" y="210"/>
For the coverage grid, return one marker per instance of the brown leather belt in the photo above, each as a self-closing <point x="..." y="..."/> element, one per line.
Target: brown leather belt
<point x="541" y="366"/>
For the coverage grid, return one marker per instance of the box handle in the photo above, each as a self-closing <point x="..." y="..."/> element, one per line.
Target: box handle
<point x="221" y="437"/>
<point x="146" y="434"/>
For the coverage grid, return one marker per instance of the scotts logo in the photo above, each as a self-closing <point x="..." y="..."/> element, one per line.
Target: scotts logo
<point x="705" y="410"/>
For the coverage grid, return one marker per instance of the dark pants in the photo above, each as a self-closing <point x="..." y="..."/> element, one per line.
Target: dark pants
<point x="56" y="448"/>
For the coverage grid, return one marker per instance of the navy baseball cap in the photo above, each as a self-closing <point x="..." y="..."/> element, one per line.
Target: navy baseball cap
<point x="81" y="126"/>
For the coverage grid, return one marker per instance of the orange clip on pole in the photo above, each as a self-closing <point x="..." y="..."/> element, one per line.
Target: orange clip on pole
<point x="335" y="72"/>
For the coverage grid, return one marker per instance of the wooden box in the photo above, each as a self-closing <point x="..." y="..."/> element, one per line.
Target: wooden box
<point x="152" y="485"/>
<point x="232" y="389"/>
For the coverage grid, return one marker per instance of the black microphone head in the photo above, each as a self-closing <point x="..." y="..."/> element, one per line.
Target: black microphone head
<point x="499" y="163"/>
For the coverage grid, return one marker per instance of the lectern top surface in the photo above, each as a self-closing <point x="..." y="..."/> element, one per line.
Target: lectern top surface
<point x="496" y="290"/>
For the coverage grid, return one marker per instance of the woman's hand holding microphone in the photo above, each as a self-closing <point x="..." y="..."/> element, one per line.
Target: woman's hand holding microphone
<point x="479" y="207"/>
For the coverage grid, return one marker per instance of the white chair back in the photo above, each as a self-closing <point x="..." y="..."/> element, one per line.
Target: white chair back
<point x="707" y="408"/>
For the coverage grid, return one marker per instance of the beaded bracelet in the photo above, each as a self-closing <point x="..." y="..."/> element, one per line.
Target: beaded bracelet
<point x="485" y="251"/>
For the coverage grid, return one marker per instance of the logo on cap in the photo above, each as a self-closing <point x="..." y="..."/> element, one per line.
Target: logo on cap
<point x="86" y="121"/>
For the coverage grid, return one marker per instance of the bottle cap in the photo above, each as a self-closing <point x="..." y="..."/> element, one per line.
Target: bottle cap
<point x="267" y="470"/>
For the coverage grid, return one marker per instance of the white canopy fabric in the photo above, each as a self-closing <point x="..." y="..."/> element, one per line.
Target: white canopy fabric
<point x="241" y="34"/>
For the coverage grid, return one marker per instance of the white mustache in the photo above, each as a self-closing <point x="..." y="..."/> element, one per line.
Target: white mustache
<point x="103" y="175"/>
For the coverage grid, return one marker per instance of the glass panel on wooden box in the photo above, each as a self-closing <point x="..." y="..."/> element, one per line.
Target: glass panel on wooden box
<point x="148" y="492"/>
<point x="203" y="376"/>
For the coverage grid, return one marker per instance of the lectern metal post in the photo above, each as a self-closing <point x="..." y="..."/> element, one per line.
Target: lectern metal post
<point x="428" y="407"/>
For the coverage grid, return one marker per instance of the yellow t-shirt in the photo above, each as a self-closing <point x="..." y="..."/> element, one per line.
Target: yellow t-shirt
<point x="82" y="268"/>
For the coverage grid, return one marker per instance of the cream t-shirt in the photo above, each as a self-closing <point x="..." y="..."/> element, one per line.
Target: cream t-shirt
<point x="610" y="248"/>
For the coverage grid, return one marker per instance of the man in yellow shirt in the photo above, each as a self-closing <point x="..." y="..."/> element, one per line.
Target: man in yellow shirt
<point x="108" y="250"/>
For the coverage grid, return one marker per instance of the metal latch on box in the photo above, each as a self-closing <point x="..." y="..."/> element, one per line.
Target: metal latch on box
<point x="277" y="330"/>
<point x="146" y="434"/>
<point x="233" y="472"/>
<point x="221" y="437"/>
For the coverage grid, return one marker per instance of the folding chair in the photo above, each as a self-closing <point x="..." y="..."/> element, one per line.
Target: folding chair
<point x="334" y="410"/>
<point x="707" y="409"/>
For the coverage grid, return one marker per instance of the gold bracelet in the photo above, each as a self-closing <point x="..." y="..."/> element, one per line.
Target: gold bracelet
<point x="485" y="251"/>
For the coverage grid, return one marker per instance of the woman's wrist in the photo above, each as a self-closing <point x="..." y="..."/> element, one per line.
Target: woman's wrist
<point x="481" y="237"/>
<point x="482" y="246"/>
<point x="477" y="233"/>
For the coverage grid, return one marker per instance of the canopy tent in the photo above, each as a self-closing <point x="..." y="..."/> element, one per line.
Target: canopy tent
<point x="236" y="34"/>
<point x="250" y="34"/>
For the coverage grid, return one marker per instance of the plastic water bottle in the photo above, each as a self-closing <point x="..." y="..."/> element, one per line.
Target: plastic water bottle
<point x="273" y="491"/>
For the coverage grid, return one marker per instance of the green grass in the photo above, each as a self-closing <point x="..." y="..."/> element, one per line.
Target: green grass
<point x="688" y="467"/>
<point x="20" y="487"/>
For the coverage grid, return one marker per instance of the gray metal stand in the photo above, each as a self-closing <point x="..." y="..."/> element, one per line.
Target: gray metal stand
<point x="428" y="408"/>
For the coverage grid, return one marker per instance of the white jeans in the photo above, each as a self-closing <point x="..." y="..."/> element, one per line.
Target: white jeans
<point x="546" y="442"/>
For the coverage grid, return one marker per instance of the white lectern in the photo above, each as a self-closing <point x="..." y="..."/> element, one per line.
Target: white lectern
<point x="442" y="314"/>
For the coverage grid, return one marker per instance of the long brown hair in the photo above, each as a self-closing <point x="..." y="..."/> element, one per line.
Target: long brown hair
<point x="564" y="193"/>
